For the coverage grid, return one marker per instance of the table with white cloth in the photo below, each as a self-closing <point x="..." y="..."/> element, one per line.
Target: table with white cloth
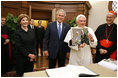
<point x="102" y="71"/>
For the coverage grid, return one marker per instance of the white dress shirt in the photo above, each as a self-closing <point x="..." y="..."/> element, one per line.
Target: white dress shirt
<point x="58" y="25"/>
<point x="32" y="27"/>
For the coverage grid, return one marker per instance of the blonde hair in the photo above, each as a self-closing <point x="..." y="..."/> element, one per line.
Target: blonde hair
<point x="21" y="16"/>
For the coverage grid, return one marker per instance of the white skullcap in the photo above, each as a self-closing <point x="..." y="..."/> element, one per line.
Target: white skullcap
<point x="80" y="15"/>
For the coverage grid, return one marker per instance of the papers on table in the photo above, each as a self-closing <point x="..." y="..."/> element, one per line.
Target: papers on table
<point x="69" y="71"/>
<point x="108" y="63"/>
<point x="60" y="72"/>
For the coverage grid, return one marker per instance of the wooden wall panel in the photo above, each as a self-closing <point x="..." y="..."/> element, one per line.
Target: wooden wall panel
<point x="69" y="16"/>
<point x="6" y="10"/>
<point x="72" y="8"/>
<point x="43" y="9"/>
<point x="42" y="15"/>
<point x="11" y="4"/>
<point x="14" y="7"/>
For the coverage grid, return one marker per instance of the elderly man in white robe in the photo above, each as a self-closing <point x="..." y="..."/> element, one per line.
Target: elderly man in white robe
<point x="81" y="54"/>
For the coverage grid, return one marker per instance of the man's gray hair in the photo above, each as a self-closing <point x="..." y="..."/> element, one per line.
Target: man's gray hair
<point x="80" y="15"/>
<point x="61" y="10"/>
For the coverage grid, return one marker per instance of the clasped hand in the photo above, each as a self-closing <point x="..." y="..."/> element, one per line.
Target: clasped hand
<point x="6" y="41"/>
<point x="103" y="51"/>
<point x="82" y="45"/>
<point x="32" y="57"/>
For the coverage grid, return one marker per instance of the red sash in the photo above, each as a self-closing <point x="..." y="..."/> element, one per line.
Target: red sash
<point x="5" y="36"/>
<point x="113" y="55"/>
<point x="107" y="44"/>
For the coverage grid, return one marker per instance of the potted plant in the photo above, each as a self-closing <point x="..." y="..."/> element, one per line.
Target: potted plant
<point x="11" y="22"/>
<point x="72" y="22"/>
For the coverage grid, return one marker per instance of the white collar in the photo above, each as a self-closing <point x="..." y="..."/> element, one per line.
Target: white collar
<point x="81" y="27"/>
<point x="31" y="25"/>
<point x="59" y="23"/>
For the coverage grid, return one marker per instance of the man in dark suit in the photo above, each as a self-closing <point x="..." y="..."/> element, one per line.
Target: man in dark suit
<point x="31" y="25"/>
<point x="40" y="37"/>
<point x="54" y="46"/>
<point x="34" y="28"/>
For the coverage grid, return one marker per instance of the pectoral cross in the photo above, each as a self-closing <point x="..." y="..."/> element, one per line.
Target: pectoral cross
<point x="107" y="40"/>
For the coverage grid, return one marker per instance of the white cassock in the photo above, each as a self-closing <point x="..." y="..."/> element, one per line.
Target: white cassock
<point x="81" y="56"/>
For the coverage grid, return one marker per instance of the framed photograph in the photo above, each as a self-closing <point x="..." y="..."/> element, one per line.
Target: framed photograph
<point x="79" y="36"/>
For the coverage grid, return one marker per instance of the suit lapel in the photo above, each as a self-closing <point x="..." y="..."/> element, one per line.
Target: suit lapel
<point x="55" y="28"/>
<point x="63" y="29"/>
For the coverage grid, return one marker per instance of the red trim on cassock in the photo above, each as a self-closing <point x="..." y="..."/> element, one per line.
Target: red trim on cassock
<point x="107" y="44"/>
<point x="113" y="55"/>
<point x="5" y="36"/>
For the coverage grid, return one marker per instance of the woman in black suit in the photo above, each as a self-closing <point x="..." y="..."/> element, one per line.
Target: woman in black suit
<point x="25" y="46"/>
